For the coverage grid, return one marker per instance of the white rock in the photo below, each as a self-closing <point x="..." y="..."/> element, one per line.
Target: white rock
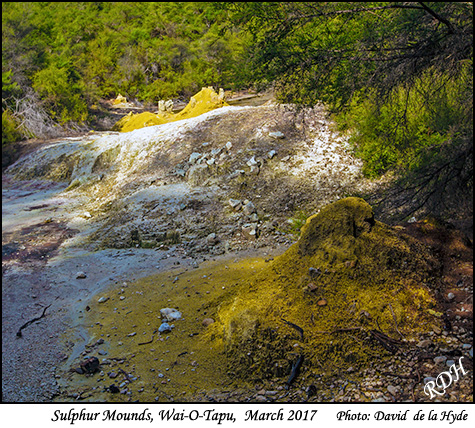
<point x="170" y="314"/>
<point x="235" y="204"/>
<point x="252" y="161"/>
<point x="194" y="157"/>
<point x="229" y="145"/>
<point x="451" y="296"/>
<point x="80" y="275"/>
<point x="103" y="299"/>
<point x="276" y="135"/>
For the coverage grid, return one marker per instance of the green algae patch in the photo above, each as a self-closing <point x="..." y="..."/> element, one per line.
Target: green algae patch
<point x="202" y="102"/>
<point x="180" y="365"/>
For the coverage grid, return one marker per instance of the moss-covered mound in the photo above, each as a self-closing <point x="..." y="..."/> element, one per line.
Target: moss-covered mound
<point x="344" y="295"/>
<point x="204" y="101"/>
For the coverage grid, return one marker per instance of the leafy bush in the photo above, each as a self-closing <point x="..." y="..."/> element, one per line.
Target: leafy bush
<point x="409" y="127"/>
<point x="10" y="131"/>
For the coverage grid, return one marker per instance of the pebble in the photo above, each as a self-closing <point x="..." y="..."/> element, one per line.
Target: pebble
<point x="249" y="208"/>
<point x="440" y="360"/>
<point x="103" y="299"/>
<point x="424" y="343"/>
<point x="277" y="135"/>
<point x="449" y="363"/>
<point x="207" y="321"/>
<point x="235" y="204"/>
<point x="170" y="314"/>
<point x="451" y="296"/>
<point x="194" y="157"/>
<point x="81" y="275"/>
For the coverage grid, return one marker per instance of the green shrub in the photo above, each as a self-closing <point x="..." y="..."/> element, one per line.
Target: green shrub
<point x="10" y="131"/>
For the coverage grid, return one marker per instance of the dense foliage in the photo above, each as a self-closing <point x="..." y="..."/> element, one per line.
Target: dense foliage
<point x="71" y="54"/>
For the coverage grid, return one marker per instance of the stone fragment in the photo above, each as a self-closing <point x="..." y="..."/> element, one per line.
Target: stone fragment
<point x="277" y="135"/>
<point x="81" y="275"/>
<point x="440" y="360"/>
<point x="235" y="204"/>
<point x="194" y="157"/>
<point x="249" y="208"/>
<point x="170" y="314"/>
<point x="424" y="343"/>
<point x="165" y="328"/>
<point x="207" y="321"/>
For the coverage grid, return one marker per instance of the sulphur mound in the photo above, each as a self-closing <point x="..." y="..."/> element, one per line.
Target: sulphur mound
<point x="205" y="100"/>
<point x="348" y="278"/>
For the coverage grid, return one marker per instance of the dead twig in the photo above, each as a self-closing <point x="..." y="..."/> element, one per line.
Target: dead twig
<point x="294" y="326"/>
<point x="125" y="374"/>
<point x="395" y="322"/>
<point x="32" y="321"/>
<point x="146" y="343"/>
<point x="390" y="344"/>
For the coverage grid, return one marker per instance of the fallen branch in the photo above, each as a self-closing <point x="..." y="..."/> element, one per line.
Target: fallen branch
<point x="146" y="343"/>
<point x="125" y="374"/>
<point x="294" y="326"/>
<point x="395" y="322"/>
<point x="388" y="343"/>
<point x="295" y="371"/>
<point x="32" y="321"/>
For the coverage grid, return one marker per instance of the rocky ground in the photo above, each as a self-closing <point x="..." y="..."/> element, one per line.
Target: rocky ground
<point x="105" y="211"/>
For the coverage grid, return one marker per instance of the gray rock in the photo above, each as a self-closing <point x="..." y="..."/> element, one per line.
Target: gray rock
<point x="424" y="343"/>
<point x="103" y="299"/>
<point x="393" y="390"/>
<point x="249" y="208"/>
<point x="229" y="145"/>
<point x="440" y="360"/>
<point x="212" y="239"/>
<point x="254" y="218"/>
<point x="451" y="296"/>
<point x="250" y="230"/>
<point x="271" y="154"/>
<point x="165" y="328"/>
<point x="236" y="204"/>
<point x="81" y="275"/>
